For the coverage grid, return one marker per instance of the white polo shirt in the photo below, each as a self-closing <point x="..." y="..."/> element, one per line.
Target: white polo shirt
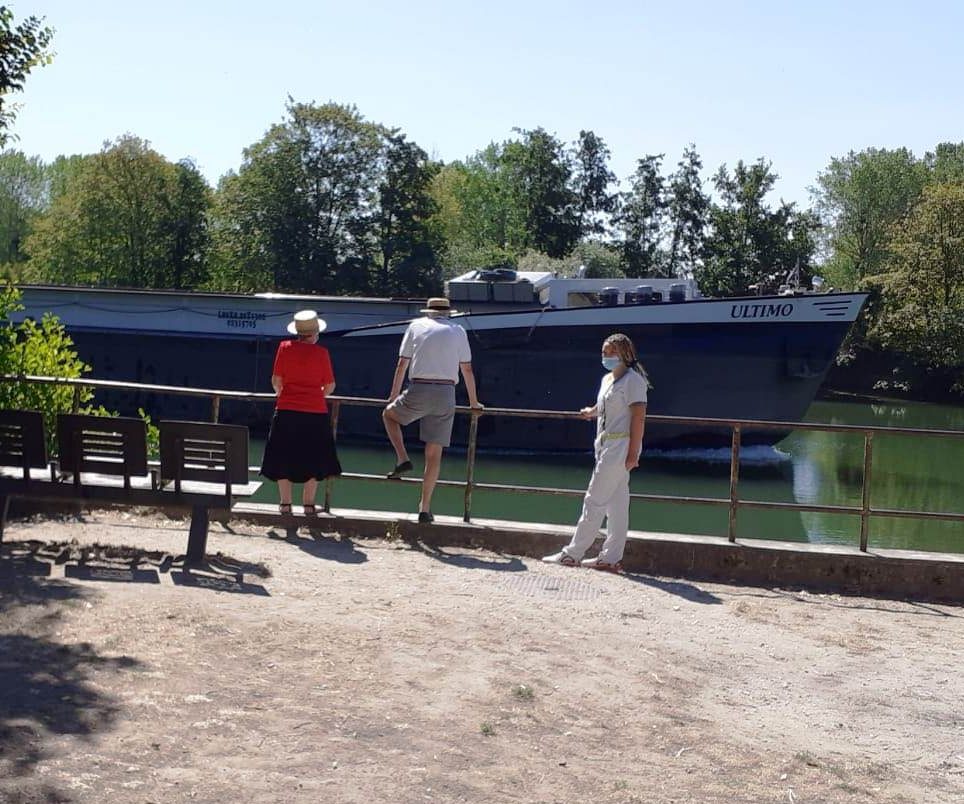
<point x="436" y="346"/>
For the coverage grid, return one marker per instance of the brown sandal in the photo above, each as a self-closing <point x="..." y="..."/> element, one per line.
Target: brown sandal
<point x="284" y="509"/>
<point x="310" y="510"/>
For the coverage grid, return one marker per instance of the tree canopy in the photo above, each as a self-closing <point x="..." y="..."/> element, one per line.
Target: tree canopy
<point x="22" y="47"/>
<point x="328" y="202"/>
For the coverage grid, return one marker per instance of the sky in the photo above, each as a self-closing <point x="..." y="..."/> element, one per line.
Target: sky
<point x="795" y="83"/>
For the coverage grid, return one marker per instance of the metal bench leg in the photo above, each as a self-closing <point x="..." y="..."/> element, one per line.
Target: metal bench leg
<point x="197" y="540"/>
<point x="4" y="510"/>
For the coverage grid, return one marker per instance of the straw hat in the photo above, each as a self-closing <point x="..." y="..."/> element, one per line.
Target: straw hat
<point x="306" y="321"/>
<point x="438" y="304"/>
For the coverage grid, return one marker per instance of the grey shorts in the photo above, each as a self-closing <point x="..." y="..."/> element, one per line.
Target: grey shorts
<point x="432" y="406"/>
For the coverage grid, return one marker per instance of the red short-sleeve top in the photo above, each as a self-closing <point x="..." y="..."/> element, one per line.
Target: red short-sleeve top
<point x="304" y="368"/>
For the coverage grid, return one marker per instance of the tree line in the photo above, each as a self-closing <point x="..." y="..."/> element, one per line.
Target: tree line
<point x="329" y="202"/>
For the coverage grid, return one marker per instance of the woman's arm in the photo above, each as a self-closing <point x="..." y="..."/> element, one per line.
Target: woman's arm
<point x="276" y="383"/>
<point x="637" y="425"/>
<point x="328" y="389"/>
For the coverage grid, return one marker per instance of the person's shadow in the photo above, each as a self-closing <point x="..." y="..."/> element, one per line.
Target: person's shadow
<point x="501" y="563"/>
<point x="321" y="545"/>
<point x="680" y="588"/>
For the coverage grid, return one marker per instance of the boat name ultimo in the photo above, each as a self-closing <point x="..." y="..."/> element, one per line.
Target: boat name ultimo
<point x="761" y="310"/>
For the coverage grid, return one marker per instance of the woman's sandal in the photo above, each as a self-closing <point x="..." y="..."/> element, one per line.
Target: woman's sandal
<point x="310" y="510"/>
<point x="284" y="509"/>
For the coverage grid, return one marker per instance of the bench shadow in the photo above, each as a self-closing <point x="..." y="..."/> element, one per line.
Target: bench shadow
<point x="123" y="564"/>
<point x="46" y="687"/>
<point x="682" y="589"/>
<point x="320" y="544"/>
<point x="502" y="563"/>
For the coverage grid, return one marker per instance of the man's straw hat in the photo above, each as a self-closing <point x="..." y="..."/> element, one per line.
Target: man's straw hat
<point x="438" y="304"/>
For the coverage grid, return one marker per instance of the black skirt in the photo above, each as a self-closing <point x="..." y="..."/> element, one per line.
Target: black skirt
<point x="300" y="447"/>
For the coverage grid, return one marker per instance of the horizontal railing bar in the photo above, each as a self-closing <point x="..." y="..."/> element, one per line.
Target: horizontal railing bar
<point x="786" y="506"/>
<point x="509" y="412"/>
<point x="897" y="512"/>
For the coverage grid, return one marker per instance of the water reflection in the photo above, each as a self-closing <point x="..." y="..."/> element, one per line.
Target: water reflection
<point x="807" y="467"/>
<point x="909" y="473"/>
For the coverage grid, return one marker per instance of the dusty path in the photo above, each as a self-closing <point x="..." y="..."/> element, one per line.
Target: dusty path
<point x="379" y="672"/>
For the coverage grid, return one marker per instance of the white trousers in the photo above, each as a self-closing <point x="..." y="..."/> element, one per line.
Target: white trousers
<point x="607" y="497"/>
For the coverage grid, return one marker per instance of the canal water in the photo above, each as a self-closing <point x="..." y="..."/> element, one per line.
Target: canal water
<point x="909" y="472"/>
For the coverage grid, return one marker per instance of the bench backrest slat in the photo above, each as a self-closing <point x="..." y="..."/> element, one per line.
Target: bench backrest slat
<point x="107" y="445"/>
<point x="22" y="442"/>
<point x="213" y="453"/>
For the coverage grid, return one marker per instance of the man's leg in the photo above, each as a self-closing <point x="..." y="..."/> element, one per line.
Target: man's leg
<point x="394" y="430"/>
<point x="433" y="462"/>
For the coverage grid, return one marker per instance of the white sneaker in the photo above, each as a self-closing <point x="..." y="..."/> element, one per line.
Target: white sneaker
<point x="562" y="557"/>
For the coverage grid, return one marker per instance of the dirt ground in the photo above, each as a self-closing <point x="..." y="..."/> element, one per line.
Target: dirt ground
<point x="379" y="671"/>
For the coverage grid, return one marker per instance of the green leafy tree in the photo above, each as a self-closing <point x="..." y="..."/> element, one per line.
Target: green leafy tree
<point x="945" y="164"/>
<point x="327" y="201"/>
<point x="23" y="194"/>
<point x="540" y="181"/>
<point x="641" y="219"/>
<point x="22" y="47"/>
<point x="41" y="348"/>
<point x="689" y="209"/>
<point x="751" y="247"/>
<point x="184" y="226"/>
<point x="125" y="217"/>
<point x="478" y="217"/>
<point x="859" y="198"/>
<point x="407" y="245"/>
<point x="922" y="286"/>
<point x="592" y="182"/>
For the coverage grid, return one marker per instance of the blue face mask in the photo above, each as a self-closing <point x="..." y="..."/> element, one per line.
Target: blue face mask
<point x="609" y="363"/>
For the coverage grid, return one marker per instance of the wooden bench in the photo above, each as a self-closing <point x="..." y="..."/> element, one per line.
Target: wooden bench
<point x="104" y="460"/>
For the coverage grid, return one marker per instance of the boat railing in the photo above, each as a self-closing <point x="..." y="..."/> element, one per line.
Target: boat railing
<point x="737" y="427"/>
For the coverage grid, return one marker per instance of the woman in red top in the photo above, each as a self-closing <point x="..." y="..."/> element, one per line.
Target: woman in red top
<point x="300" y="447"/>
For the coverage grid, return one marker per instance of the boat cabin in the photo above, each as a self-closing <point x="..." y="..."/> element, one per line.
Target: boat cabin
<point x="545" y="289"/>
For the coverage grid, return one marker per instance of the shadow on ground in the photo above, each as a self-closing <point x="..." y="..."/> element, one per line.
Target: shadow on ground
<point x="124" y="564"/>
<point x="46" y="688"/>
<point x="687" y="591"/>
<point x="502" y="563"/>
<point x="322" y="545"/>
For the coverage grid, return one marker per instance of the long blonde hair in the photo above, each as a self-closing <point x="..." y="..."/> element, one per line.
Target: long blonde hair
<point x="626" y="352"/>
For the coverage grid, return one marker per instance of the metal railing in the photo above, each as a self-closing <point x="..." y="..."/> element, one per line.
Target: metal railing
<point x="736" y="426"/>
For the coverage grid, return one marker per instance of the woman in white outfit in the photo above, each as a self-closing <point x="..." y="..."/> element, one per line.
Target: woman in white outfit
<point x="620" y="411"/>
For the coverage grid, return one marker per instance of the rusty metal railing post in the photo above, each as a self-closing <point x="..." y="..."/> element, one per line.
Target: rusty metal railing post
<point x="734" y="483"/>
<point x="330" y="481"/>
<point x="865" y="491"/>
<point x="215" y="408"/>
<point x="470" y="464"/>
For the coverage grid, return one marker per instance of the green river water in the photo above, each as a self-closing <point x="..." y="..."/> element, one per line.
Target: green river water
<point x="806" y="467"/>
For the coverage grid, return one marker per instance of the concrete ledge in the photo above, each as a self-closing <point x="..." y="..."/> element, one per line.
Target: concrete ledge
<point x="893" y="574"/>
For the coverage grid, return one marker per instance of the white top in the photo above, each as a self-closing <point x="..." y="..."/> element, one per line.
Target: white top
<point x="613" y="401"/>
<point x="435" y="345"/>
